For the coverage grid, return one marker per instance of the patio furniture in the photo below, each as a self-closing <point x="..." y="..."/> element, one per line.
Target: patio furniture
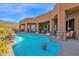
<point x="69" y="34"/>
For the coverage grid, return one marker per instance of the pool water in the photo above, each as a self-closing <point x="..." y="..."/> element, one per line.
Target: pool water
<point x="30" y="45"/>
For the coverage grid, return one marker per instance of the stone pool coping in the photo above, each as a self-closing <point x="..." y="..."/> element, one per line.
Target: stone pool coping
<point x="10" y="49"/>
<point x="69" y="47"/>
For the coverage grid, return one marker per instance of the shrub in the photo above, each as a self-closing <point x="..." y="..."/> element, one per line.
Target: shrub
<point x="6" y="34"/>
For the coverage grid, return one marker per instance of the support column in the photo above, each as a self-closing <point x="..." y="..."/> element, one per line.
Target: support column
<point x="77" y="27"/>
<point x="19" y="27"/>
<point x="26" y="27"/>
<point x="47" y="28"/>
<point x="61" y="25"/>
<point x="51" y="26"/>
<point x="37" y="27"/>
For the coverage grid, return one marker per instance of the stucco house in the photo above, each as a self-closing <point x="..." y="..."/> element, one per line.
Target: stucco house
<point x="57" y="21"/>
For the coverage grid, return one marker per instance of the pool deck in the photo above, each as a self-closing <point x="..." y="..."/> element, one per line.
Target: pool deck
<point x="69" y="47"/>
<point x="10" y="49"/>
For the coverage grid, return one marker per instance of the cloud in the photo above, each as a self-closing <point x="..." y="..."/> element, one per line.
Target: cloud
<point x="2" y="5"/>
<point x="36" y="5"/>
<point x="11" y="8"/>
<point x="28" y="5"/>
<point x="18" y="11"/>
<point x="17" y="8"/>
<point x="7" y="19"/>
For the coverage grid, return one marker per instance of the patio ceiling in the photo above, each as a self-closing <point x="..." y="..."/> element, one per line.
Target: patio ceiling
<point x="72" y="10"/>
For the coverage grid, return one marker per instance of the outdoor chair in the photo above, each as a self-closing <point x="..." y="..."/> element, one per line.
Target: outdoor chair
<point x="69" y="34"/>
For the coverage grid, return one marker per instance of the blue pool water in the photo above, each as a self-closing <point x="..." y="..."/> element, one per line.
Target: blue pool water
<point x="30" y="45"/>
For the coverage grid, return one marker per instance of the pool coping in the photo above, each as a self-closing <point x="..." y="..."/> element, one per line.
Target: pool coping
<point x="60" y="53"/>
<point x="11" y="51"/>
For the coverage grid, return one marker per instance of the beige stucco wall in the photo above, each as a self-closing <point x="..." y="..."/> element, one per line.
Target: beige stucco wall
<point x="75" y="15"/>
<point x="43" y="18"/>
<point x="60" y="11"/>
<point x="67" y="6"/>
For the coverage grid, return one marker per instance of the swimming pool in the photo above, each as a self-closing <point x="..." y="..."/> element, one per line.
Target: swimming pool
<point x="29" y="44"/>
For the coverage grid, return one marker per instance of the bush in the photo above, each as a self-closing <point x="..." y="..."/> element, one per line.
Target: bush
<point x="6" y="34"/>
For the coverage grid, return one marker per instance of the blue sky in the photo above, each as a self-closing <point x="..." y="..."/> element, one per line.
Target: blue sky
<point x="18" y="11"/>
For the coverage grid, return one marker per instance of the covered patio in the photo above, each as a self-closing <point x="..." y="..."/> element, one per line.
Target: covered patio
<point x="31" y="27"/>
<point x="22" y="27"/>
<point x="64" y="22"/>
<point x="44" y="27"/>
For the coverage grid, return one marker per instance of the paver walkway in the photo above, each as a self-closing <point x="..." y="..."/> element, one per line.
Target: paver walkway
<point x="69" y="47"/>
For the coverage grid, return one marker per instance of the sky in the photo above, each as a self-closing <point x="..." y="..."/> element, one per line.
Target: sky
<point x="15" y="12"/>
